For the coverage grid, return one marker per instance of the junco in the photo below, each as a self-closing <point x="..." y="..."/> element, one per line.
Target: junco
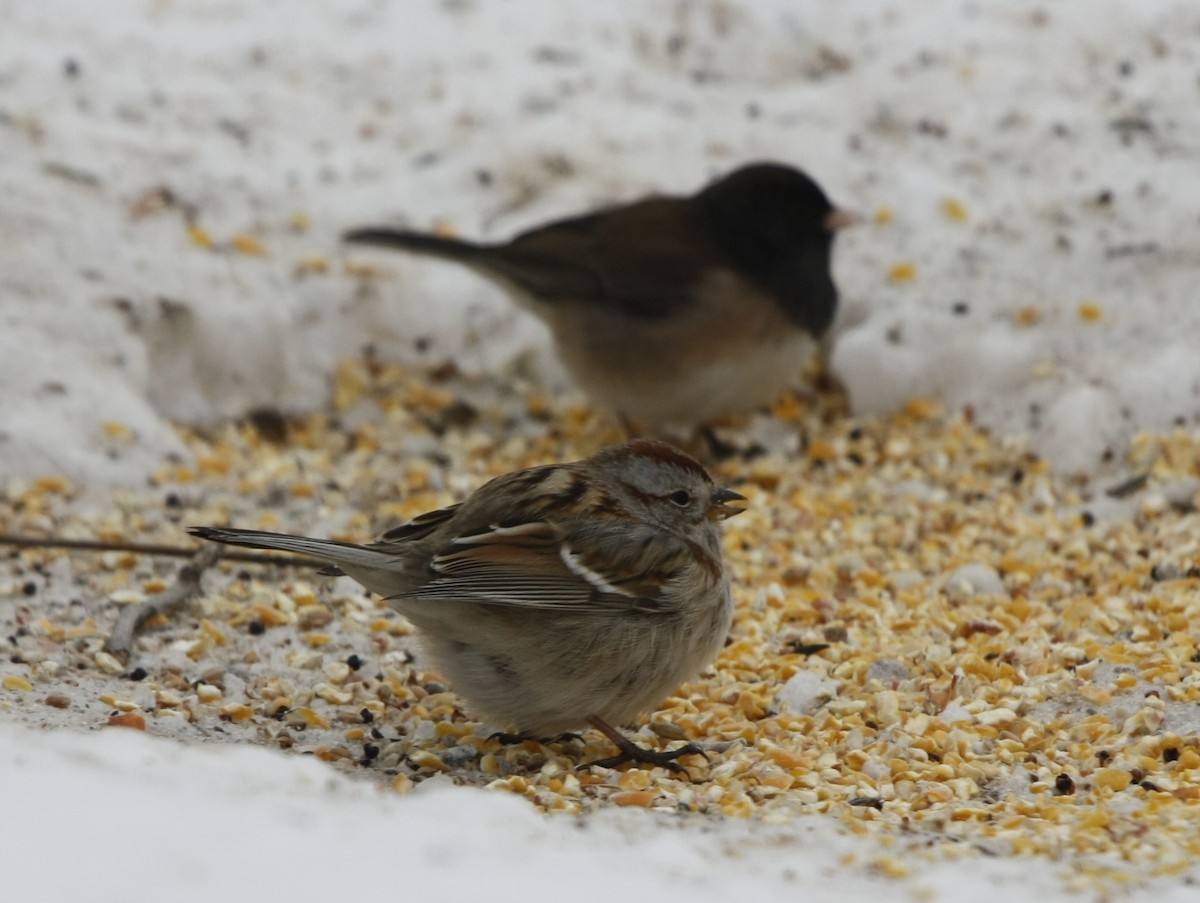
<point x="561" y="595"/>
<point x="673" y="310"/>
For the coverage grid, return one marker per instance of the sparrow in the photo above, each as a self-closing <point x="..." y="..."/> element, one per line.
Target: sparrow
<point x="673" y="310"/>
<point x="558" y="596"/>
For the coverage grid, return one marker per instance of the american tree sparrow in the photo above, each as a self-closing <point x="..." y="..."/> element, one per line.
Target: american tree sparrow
<point x="559" y="595"/>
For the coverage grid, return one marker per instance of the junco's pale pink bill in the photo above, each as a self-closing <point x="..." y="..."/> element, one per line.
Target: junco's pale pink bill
<point x="561" y="595"/>
<point x="674" y="310"/>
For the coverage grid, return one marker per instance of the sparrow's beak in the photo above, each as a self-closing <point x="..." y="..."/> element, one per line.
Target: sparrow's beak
<point x="838" y="219"/>
<point x="720" y="508"/>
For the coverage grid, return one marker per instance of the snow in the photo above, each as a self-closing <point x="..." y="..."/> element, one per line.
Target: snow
<point x="1067" y="133"/>
<point x="119" y="816"/>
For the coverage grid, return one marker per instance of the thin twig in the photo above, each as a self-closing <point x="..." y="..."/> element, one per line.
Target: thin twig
<point x="186" y="585"/>
<point x="98" y="545"/>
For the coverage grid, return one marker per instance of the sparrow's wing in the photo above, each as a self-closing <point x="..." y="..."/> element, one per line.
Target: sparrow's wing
<point x="538" y="564"/>
<point x="645" y="258"/>
<point x="418" y="528"/>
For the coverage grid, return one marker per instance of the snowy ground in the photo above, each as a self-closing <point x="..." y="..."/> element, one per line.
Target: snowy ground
<point x="141" y="819"/>
<point x="174" y="176"/>
<point x="1067" y="137"/>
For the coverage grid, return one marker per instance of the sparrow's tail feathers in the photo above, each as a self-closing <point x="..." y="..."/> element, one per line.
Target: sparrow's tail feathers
<point x="340" y="554"/>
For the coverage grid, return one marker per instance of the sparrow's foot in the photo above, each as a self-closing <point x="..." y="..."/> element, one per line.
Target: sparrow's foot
<point x="631" y="752"/>
<point x="506" y="739"/>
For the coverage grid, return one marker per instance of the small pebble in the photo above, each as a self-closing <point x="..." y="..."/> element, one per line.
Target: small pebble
<point x="806" y="692"/>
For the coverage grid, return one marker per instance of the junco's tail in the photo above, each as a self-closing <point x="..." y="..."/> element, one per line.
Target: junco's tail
<point x="417" y="242"/>
<point x="341" y="555"/>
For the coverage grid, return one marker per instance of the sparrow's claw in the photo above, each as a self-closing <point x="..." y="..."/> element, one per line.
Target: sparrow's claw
<point x="506" y="739"/>
<point x="631" y="752"/>
<point x="642" y="756"/>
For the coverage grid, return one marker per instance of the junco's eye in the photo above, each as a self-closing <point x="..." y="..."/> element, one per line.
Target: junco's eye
<point x="680" y="497"/>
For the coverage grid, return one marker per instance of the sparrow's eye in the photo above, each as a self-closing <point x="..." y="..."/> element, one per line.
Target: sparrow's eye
<point x="680" y="497"/>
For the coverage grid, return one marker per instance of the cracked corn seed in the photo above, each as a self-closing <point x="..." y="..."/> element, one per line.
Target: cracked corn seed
<point x="935" y="636"/>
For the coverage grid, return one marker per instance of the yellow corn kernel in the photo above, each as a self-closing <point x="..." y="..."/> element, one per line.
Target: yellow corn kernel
<point x="248" y="244"/>
<point x="954" y="209"/>
<point x="16" y="682"/>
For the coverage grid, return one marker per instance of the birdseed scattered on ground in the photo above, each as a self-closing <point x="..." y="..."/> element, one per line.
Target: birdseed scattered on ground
<point x="937" y="640"/>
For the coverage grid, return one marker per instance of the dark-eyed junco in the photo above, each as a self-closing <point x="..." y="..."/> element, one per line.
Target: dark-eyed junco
<point x="673" y="310"/>
<point x="562" y="595"/>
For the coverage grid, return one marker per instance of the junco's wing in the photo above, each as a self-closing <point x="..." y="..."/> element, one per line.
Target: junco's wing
<point x="645" y="258"/>
<point x="540" y="565"/>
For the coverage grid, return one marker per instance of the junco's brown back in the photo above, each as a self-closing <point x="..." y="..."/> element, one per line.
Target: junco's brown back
<point x="673" y="310"/>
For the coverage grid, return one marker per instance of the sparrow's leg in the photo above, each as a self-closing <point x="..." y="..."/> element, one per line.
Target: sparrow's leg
<point x="631" y="752"/>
